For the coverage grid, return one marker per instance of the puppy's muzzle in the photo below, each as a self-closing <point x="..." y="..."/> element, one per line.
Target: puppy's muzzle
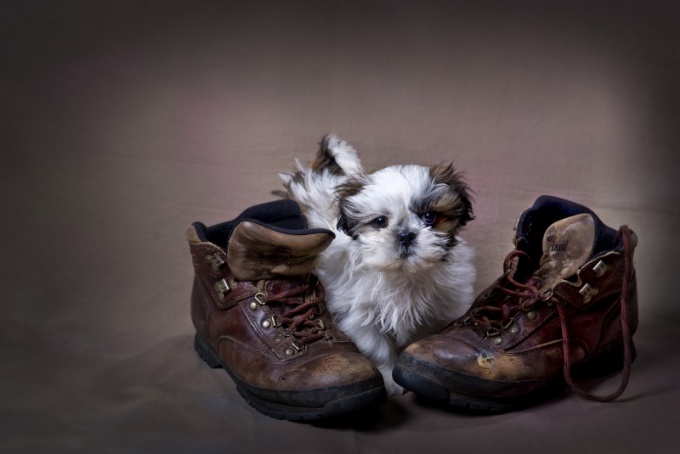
<point x="406" y="238"/>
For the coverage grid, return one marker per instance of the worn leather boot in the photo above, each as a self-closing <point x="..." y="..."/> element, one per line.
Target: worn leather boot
<point x="566" y="303"/>
<point x="259" y="314"/>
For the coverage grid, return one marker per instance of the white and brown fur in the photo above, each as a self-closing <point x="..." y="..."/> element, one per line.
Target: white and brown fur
<point x="398" y="269"/>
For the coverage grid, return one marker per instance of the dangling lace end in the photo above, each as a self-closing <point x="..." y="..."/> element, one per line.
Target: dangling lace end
<point x="628" y="348"/>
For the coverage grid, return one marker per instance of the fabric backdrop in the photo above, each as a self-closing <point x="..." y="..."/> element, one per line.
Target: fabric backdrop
<point x="124" y="121"/>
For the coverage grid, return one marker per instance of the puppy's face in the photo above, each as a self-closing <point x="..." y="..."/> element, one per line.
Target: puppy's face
<point x="404" y="217"/>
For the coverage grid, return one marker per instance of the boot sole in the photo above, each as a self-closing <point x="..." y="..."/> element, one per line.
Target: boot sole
<point x="435" y="391"/>
<point x="360" y="396"/>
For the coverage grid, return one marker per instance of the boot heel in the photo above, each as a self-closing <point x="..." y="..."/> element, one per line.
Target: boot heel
<point x="206" y="352"/>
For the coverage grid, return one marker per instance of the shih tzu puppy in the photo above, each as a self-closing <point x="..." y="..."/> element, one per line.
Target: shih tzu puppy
<point x="397" y="269"/>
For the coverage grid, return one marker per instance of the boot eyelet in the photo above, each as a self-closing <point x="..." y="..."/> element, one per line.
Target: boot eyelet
<point x="514" y="329"/>
<point x="293" y="349"/>
<point x="215" y="261"/>
<point x="222" y="288"/>
<point x="496" y="340"/>
<point x="532" y="315"/>
<point x="492" y="332"/>
<point x="545" y="296"/>
<point x="257" y="302"/>
<point x="600" y="268"/>
<point x="588" y="291"/>
<point x="270" y="322"/>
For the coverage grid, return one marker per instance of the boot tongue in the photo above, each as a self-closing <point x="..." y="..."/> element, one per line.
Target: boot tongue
<point x="567" y="245"/>
<point x="259" y="252"/>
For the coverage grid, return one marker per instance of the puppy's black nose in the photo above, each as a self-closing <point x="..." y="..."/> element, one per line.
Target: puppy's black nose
<point x="406" y="238"/>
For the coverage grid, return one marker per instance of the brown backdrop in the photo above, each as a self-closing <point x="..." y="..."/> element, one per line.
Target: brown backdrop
<point x="122" y="122"/>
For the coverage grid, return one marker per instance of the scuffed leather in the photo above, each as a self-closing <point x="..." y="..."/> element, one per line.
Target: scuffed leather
<point x="255" y="354"/>
<point x="533" y="356"/>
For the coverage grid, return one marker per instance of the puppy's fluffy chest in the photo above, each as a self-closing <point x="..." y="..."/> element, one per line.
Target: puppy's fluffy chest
<point x="403" y="307"/>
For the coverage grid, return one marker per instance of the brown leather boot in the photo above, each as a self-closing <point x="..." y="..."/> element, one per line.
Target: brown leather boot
<point x="259" y="313"/>
<point x="567" y="302"/>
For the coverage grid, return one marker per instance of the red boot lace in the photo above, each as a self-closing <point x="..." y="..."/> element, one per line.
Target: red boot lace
<point x="498" y="317"/>
<point x="625" y="234"/>
<point x="297" y="309"/>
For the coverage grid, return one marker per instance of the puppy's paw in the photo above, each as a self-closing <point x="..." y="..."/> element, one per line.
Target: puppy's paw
<point x="392" y="388"/>
<point x="390" y="385"/>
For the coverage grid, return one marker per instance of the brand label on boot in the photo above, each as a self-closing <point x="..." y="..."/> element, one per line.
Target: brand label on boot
<point x="567" y="244"/>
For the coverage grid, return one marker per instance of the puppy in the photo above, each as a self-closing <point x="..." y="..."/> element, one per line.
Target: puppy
<point x="397" y="269"/>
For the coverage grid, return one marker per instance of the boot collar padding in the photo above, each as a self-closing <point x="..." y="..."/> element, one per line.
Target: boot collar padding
<point x="258" y="252"/>
<point x="567" y="245"/>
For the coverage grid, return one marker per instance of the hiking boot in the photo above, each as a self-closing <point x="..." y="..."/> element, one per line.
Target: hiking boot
<point x="259" y="314"/>
<point x="566" y="303"/>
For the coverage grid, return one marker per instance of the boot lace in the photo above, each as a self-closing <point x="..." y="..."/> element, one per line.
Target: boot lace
<point x="504" y="309"/>
<point x="625" y="234"/>
<point x="296" y="309"/>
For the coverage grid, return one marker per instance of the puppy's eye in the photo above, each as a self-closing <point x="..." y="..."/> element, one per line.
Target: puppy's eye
<point x="429" y="217"/>
<point x="380" y="222"/>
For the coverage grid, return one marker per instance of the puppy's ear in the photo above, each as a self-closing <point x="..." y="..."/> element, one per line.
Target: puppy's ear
<point x="456" y="203"/>
<point x="337" y="156"/>
<point x="344" y="225"/>
<point x="347" y="212"/>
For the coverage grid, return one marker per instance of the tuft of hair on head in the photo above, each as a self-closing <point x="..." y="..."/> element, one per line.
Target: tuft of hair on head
<point x="336" y="157"/>
<point x="325" y="160"/>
